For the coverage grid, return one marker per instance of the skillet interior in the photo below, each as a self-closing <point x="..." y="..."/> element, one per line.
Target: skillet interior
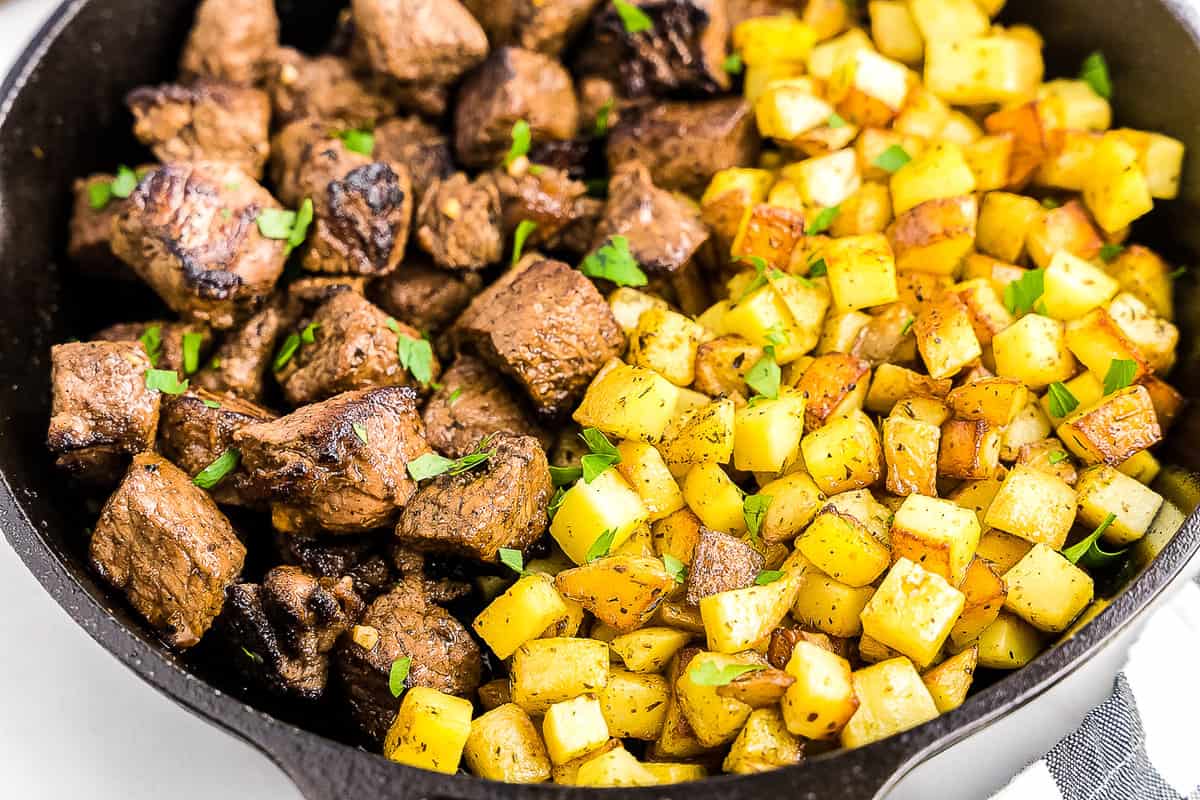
<point x="61" y="116"/>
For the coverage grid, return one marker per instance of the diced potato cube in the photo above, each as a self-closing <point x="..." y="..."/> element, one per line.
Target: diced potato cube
<point x="910" y="450"/>
<point x="767" y="432"/>
<point x="844" y="454"/>
<point x="702" y="435"/>
<point x="635" y="705"/>
<point x="1103" y="490"/>
<point x="725" y="207"/>
<point x="616" y="767"/>
<point x="667" y="772"/>
<point x="842" y="547"/>
<point x="763" y="744"/>
<point x="1069" y="157"/>
<point x="1160" y="158"/>
<point x="1069" y="228"/>
<point x="1096" y="340"/>
<point x="430" y="730"/>
<point x="765" y="319"/>
<point x="1008" y="643"/>
<point x="807" y="301"/>
<point x="949" y="682"/>
<point x="1004" y="222"/>
<point x="589" y="509"/>
<point x="1034" y="351"/>
<point x="945" y="336"/>
<point x="833" y="385"/>
<point x="829" y="605"/>
<point x="949" y="20"/>
<point x="913" y="611"/>
<point x="970" y="450"/>
<point x="504" y="745"/>
<point x="869" y="210"/>
<point x="841" y="331"/>
<point x="1003" y="550"/>
<point x="895" y="32"/>
<point x="714" y="719"/>
<point x="874" y="142"/>
<point x="826" y="56"/>
<point x="1029" y="426"/>
<point x="494" y="694"/>
<point x="786" y="110"/>
<point x="548" y="671"/>
<point x="1046" y="590"/>
<point x="862" y="272"/>
<point x="934" y="236"/>
<point x="1156" y="339"/>
<point x="646" y="471"/>
<point x="621" y="591"/>
<point x="1074" y="287"/>
<point x="893" y="383"/>
<point x="771" y="233"/>
<point x="996" y="401"/>
<point x="677" y="534"/>
<point x="983" y="69"/>
<point x="574" y="728"/>
<point x="1116" y="191"/>
<point x="735" y="620"/>
<point x="984" y="591"/>
<point x="991" y="161"/>
<point x="825" y="181"/>
<point x="628" y="402"/>
<point x="1084" y="387"/>
<point x="891" y="699"/>
<point x="937" y="534"/>
<point x="714" y="498"/>
<point x="940" y="171"/>
<point x="1039" y="508"/>
<point x="867" y="88"/>
<point x="796" y="500"/>
<point x="827" y="17"/>
<point x="628" y="305"/>
<point x="530" y="606"/>
<point x="779" y="37"/>
<point x="666" y="341"/>
<point x="821" y="701"/>
<point x="1113" y="428"/>
<point x="649" y="649"/>
<point x="1077" y="106"/>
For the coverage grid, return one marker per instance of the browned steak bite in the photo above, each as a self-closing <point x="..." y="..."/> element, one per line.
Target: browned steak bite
<point x="340" y="465"/>
<point x="417" y="145"/>
<point x="362" y="558"/>
<point x="313" y="290"/>
<point x="190" y="232"/>
<point x="206" y="121"/>
<point x="242" y="362"/>
<point x="290" y="148"/>
<point x="162" y="541"/>
<point x="475" y="401"/>
<point x="90" y="238"/>
<point x="363" y="209"/>
<point x="458" y="223"/>
<point x="685" y="144"/>
<point x="549" y="199"/>
<point x="164" y="342"/>
<point x="408" y="625"/>
<point x="232" y="40"/>
<point x="283" y="629"/>
<point x="549" y="328"/>
<point x="197" y="429"/>
<point x="501" y="503"/>
<point x="326" y="88"/>
<point x="512" y="85"/>
<point x="548" y="25"/>
<point x="664" y="231"/>
<point x="102" y="411"/>
<point x="355" y="345"/>
<point x="427" y="298"/>
<point x="684" y="51"/>
<point x="720" y="563"/>
<point x="413" y="566"/>
<point x="428" y="41"/>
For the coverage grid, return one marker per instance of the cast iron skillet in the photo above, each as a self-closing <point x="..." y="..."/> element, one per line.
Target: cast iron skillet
<point x="61" y="116"/>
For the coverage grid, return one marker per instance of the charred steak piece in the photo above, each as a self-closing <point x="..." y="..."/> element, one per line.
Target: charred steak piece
<point x="197" y="428"/>
<point x="290" y="149"/>
<point x="232" y="40"/>
<point x="311" y="291"/>
<point x="206" y="121"/>
<point x="424" y="41"/>
<point x="473" y="402"/>
<point x="664" y="231"/>
<point x="444" y="656"/>
<point x="102" y="412"/>
<point x="89" y="242"/>
<point x="548" y="25"/>
<point x="549" y="199"/>
<point x="549" y="328"/>
<point x="721" y="563"/>
<point x="512" y="85"/>
<point x="499" y="504"/>
<point x="458" y="223"/>
<point x="355" y="345"/>
<point x="417" y="145"/>
<point x="363" y="209"/>
<point x="241" y="363"/>
<point x="424" y="297"/>
<point x="286" y="627"/>
<point x="162" y="541"/>
<point x="362" y="558"/>
<point x="684" y="144"/>
<point x="326" y="88"/>
<point x="339" y="466"/>
<point x="190" y="232"/>
<point x="163" y="341"/>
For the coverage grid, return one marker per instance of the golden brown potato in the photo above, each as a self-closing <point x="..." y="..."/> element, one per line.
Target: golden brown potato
<point x="1112" y="429"/>
<point x="1024" y="124"/>
<point x="833" y="385"/>
<point x="1066" y="228"/>
<point x="621" y="591"/>
<point x="722" y="364"/>
<point x="770" y="233"/>
<point x="935" y="235"/>
<point x="945" y="336"/>
<point x="970" y="450"/>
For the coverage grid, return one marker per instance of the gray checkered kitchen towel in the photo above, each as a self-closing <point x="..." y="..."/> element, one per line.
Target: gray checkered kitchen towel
<point x="1140" y="744"/>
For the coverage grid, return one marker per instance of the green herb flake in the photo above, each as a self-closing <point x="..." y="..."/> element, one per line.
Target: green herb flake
<point x="99" y="195"/>
<point x="304" y="218"/>
<point x="151" y="340"/>
<point x="359" y="141"/>
<point x="522" y="138"/>
<point x="892" y="159"/>
<point x="633" y="18"/>
<point x="255" y="657"/>
<point x="288" y="349"/>
<point x="1051" y="203"/>
<point x="754" y="510"/>
<point x="908" y="325"/>
<point x="768" y="576"/>
<point x="431" y="465"/>
<point x="614" y="262"/>
<point x="524" y="229"/>
<point x="1121" y="372"/>
<point x="604" y="118"/>
<point x="1081" y="548"/>
<point x="602" y="545"/>
<point x="416" y="355"/>
<point x="835" y="121"/>
<point x="707" y="673"/>
<point x="165" y="381"/>
<point x="1057" y="457"/>
<point x="733" y="64"/>
<point x="1021" y="295"/>
<point x="219" y="470"/>
<point x="1062" y="402"/>
<point x="398" y="674"/>
<point x="125" y="182"/>
<point x="454" y="397"/>
<point x="1109" y="252"/>
<point x="1177" y="274"/>
<point x="818" y="269"/>
<point x="555" y="502"/>
<point x="602" y="456"/>
<point x="675" y="568"/>
<point x="765" y="376"/>
<point x="1094" y="73"/>
<point x="191" y="351"/>
<point x="211" y="403"/>
<point x="288" y="226"/>
<point x="513" y="559"/>
<point x="565" y="476"/>
<point x="824" y="219"/>
<point x="360" y="431"/>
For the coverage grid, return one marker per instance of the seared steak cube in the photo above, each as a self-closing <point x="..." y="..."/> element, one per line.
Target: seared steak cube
<point x="355" y="346"/>
<point x="721" y="563"/>
<point x="424" y="297"/>
<point x="190" y="232"/>
<point x="326" y="88"/>
<point x="444" y="656"/>
<point x="426" y="41"/>
<point x="340" y="465"/>
<point x="197" y="428"/>
<point x="547" y="327"/>
<point x="207" y="121"/>
<point x="312" y="291"/>
<point x="475" y="401"/>
<point x="232" y="40"/>
<point x="664" y="231"/>
<point x="290" y="149"/>
<point x="162" y="340"/>
<point x="417" y="145"/>
<point x="241" y="363"/>
<point x="458" y="223"/>
<point x="549" y="199"/>
<point x="512" y="85"/>
<point x="685" y="144"/>
<point x="161" y="540"/>
<point x="547" y="25"/>
<point x="499" y="504"/>
<point x="102" y="411"/>
<point x="362" y="211"/>
<point x="90" y="238"/>
<point x="362" y="558"/>
<point x="283" y="629"/>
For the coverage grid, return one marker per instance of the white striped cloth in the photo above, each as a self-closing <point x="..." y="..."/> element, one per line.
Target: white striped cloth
<point x="1140" y="744"/>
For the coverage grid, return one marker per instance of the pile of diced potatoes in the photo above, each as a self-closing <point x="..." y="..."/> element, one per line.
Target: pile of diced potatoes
<point x="914" y="479"/>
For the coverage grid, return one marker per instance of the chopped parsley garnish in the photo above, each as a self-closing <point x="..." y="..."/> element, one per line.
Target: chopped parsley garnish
<point x="1109" y="252"/>
<point x="892" y="158"/>
<point x="760" y="276"/>
<point x="288" y="349"/>
<point x="309" y="334"/>
<point x="101" y="194"/>
<point x="398" y="674"/>
<point x="211" y="403"/>
<point x="1078" y="550"/>
<point x="151" y="340"/>
<point x="765" y="376"/>
<point x="707" y="673"/>
<point x="191" y="351"/>
<point x="1057" y="457"/>
<point x="289" y="226"/>
<point x="824" y="219"/>
<point x="1051" y="203"/>
<point x="908" y="324"/>
<point x="165" y="381"/>
<point x="556" y="501"/>
<point x="614" y="262"/>
<point x="633" y="18"/>
<point x="360" y="431"/>
<point x="602" y="545"/>
<point x="818" y="269"/>
<point x="253" y="656"/>
<point x="1094" y="73"/>
<point x="416" y="355"/>
<point x="217" y="471"/>
<point x="768" y="576"/>
<point x="454" y="396"/>
<point x="1062" y="402"/>
<point x="431" y="465"/>
<point x="1177" y="273"/>
<point x="522" y="138"/>
<point x="835" y="121"/>
<point x="675" y="568"/>
<point x="524" y="229"/>
<point x="513" y="559"/>
<point x="1021" y="295"/>
<point x="565" y="476"/>
<point x="1121" y="372"/>
<point x="603" y="118"/>
<point x="603" y="454"/>
<point x="754" y="510"/>
<point x="359" y="141"/>
<point x="733" y="64"/>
